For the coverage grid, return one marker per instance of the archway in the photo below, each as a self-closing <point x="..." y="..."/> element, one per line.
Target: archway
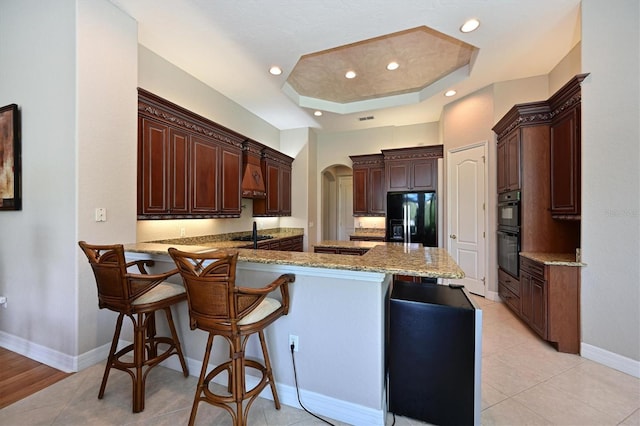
<point x="336" y="202"/>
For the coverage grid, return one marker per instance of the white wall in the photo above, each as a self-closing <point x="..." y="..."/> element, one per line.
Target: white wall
<point x="38" y="249"/>
<point x="107" y="143"/>
<point x="610" y="179"/>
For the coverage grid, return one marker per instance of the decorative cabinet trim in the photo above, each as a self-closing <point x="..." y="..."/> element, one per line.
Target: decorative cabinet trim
<point x="153" y="106"/>
<point x="432" y="151"/>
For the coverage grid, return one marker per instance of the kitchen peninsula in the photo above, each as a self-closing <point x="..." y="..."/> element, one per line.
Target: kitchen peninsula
<point x="338" y="311"/>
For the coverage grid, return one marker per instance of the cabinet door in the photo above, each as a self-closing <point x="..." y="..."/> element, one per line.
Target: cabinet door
<point x="285" y="191"/>
<point x="204" y="176"/>
<point x="424" y="174"/>
<point x="271" y="180"/>
<point x="230" y="193"/>
<point x="153" y="190"/>
<point x="525" y="296"/>
<point x="398" y="175"/>
<point x="513" y="161"/>
<point x="360" y="191"/>
<point x="565" y="164"/>
<point x="501" y="179"/>
<point x="179" y="172"/>
<point x="376" y="191"/>
<point x="538" y="319"/>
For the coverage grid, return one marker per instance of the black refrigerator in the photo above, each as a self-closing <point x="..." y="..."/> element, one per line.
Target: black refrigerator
<point x="412" y="217"/>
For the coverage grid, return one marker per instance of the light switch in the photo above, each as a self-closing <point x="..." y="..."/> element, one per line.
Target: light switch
<point x="101" y="214"/>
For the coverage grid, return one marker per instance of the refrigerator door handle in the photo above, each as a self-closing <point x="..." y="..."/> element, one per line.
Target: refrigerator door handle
<point x="407" y="229"/>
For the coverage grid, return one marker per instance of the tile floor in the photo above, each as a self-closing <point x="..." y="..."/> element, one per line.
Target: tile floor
<point x="524" y="382"/>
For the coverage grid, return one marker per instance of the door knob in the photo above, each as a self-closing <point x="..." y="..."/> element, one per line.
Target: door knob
<point x="453" y="236"/>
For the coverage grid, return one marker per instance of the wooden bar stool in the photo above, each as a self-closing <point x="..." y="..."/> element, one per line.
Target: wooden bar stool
<point x="137" y="296"/>
<point x="220" y="308"/>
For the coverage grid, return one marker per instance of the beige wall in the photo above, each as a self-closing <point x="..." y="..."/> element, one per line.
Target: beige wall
<point x="610" y="181"/>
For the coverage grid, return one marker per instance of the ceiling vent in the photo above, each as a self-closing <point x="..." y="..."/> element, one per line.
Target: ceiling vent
<point x="368" y="117"/>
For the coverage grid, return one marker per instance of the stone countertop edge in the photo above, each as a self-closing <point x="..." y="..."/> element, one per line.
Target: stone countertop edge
<point x="390" y="258"/>
<point x="558" y="259"/>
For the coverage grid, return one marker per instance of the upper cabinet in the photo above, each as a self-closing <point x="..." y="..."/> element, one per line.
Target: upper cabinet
<point x="276" y="170"/>
<point x="368" y="185"/>
<point x="509" y="162"/>
<point x="412" y="169"/>
<point x="565" y="150"/>
<point x="190" y="167"/>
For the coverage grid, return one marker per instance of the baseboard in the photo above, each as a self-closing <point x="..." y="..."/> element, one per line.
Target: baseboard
<point x="610" y="359"/>
<point x="43" y="354"/>
<point x="318" y="404"/>
<point x="492" y="295"/>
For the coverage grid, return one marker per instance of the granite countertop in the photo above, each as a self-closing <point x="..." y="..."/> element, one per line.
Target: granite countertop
<point x="561" y="259"/>
<point x="389" y="258"/>
<point x="347" y="244"/>
<point x="225" y="241"/>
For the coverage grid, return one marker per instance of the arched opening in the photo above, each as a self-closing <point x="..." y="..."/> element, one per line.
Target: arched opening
<point x="337" y="202"/>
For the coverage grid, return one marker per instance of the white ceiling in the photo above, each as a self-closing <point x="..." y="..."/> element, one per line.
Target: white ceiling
<point x="231" y="44"/>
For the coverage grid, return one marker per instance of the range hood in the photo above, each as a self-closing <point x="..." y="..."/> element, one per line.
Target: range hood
<point x="252" y="179"/>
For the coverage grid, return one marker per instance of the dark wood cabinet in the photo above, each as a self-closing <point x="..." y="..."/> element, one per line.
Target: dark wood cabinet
<point x="205" y="157"/>
<point x="351" y="251"/>
<point x="509" y="162"/>
<point x="412" y="169"/>
<point x="368" y="185"/>
<point x="230" y="184"/>
<point x="164" y="163"/>
<point x="188" y="167"/>
<point x="295" y="243"/>
<point x="509" y="290"/>
<point x="526" y="127"/>
<point x="550" y="302"/>
<point x="366" y="238"/>
<point x="565" y="150"/>
<point x="276" y="170"/>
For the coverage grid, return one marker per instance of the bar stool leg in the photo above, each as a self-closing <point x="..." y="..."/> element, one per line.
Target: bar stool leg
<point x="112" y="352"/>
<point x="267" y="364"/>
<point x="200" y="387"/>
<point x="139" y="331"/>
<point x="174" y="335"/>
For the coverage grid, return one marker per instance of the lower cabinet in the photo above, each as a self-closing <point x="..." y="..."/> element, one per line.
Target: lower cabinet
<point x="341" y="250"/>
<point x="283" y="244"/>
<point x="365" y="238"/>
<point x="509" y="290"/>
<point x="547" y="298"/>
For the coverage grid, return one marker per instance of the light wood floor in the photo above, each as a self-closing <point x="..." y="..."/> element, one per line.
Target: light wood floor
<point x="21" y="377"/>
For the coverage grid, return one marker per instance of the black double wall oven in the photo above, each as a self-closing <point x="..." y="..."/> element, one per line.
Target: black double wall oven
<point x="509" y="232"/>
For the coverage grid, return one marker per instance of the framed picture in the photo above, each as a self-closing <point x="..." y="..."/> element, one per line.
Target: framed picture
<point x="10" y="159"/>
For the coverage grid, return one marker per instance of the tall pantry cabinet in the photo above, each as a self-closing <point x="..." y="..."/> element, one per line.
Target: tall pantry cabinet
<point x="538" y="153"/>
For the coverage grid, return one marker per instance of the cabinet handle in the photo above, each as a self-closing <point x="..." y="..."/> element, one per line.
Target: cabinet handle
<point x="453" y="236"/>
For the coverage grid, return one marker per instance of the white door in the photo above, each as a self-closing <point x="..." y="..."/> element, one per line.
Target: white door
<point x="345" y="207"/>
<point x="466" y="190"/>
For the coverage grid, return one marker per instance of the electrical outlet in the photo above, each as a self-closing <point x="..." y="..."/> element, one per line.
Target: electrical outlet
<point x="293" y="340"/>
<point x="183" y="232"/>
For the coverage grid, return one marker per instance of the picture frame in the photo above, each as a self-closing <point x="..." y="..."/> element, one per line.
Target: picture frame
<point x="10" y="158"/>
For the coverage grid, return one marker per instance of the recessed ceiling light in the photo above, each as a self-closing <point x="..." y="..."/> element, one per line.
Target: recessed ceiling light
<point x="391" y="66"/>
<point x="470" y="25"/>
<point x="350" y="74"/>
<point x="450" y="93"/>
<point x="317" y="113"/>
<point x="275" y="70"/>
